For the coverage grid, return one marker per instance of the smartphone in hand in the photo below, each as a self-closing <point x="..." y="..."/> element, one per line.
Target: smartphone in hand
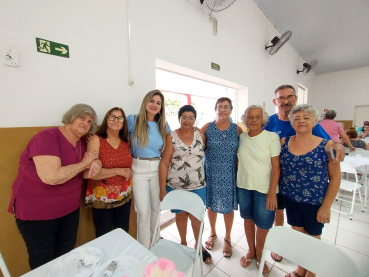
<point x="332" y="152"/>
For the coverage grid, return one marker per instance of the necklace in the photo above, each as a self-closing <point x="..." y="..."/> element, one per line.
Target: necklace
<point x="80" y="150"/>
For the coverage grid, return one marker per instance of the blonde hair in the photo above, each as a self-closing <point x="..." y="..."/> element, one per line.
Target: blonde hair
<point x="80" y="110"/>
<point x="141" y="126"/>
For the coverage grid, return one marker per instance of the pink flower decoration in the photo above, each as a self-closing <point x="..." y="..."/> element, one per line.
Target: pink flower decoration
<point x="162" y="268"/>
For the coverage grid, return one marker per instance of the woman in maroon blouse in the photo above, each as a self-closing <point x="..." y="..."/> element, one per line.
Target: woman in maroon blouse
<point x="46" y="192"/>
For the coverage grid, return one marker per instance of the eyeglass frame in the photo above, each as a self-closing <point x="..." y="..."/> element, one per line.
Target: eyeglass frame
<point x="289" y="98"/>
<point x="190" y="119"/>
<point x="110" y="116"/>
<point x="225" y="108"/>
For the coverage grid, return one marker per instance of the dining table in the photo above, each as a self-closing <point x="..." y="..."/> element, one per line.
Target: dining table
<point x="361" y="163"/>
<point x="116" y="243"/>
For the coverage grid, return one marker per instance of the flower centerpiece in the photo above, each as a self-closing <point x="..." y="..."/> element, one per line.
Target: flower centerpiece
<point x="162" y="268"/>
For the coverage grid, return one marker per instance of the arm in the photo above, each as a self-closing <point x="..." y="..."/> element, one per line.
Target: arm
<point x="346" y="140"/>
<point x="334" y="173"/>
<point x="340" y="152"/>
<point x="271" y="201"/>
<point x="94" y="144"/>
<point x="366" y="146"/>
<point x="203" y="129"/>
<point x="164" y="165"/>
<point x="51" y="172"/>
<point x="203" y="139"/>
<point x="239" y="130"/>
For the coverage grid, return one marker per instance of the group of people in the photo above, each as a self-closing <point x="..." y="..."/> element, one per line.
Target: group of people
<point x="282" y="161"/>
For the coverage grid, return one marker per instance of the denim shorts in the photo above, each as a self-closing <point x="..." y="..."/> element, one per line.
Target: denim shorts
<point x="253" y="206"/>
<point x="303" y="215"/>
<point x="200" y="192"/>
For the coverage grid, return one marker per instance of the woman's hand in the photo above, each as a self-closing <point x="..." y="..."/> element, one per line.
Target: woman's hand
<point x="162" y="194"/>
<point x="125" y="172"/>
<point x="340" y="152"/>
<point x="89" y="157"/>
<point x="271" y="201"/>
<point x="94" y="168"/>
<point x="324" y="214"/>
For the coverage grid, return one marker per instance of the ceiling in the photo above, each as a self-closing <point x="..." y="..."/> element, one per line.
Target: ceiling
<point x="336" y="32"/>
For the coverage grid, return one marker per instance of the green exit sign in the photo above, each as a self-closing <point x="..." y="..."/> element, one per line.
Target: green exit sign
<point x="215" y="66"/>
<point x="52" y="48"/>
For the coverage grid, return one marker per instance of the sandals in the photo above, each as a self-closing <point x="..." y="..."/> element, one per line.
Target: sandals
<point x="274" y="257"/>
<point x="226" y="252"/>
<point x="266" y="272"/>
<point x="245" y="262"/>
<point x="209" y="244"/>
<point x="294" y="274"/>
<point x="205" y="255"/>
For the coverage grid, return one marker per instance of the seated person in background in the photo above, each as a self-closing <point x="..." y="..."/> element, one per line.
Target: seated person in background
<point x="306" y="170"/>
<point x="366" y="123"/>
<point x="355" y="140"/>
<point x="365" y="132"/>
<point x="334" y="129"/>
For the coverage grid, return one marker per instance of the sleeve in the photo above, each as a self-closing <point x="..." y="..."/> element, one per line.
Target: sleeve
<point x="275" y="145"/>
<point x="130" y="124"/>
<point x="319" y="132"/>
<point x="45" y="143"/>
<point x="168" y="128"/>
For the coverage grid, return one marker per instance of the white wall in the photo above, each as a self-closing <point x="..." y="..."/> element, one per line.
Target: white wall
<point x="341" y="91"/>
<point x="39" y="91"/>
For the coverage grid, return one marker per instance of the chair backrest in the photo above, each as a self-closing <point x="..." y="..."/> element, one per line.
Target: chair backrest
<point x="186" y="201"/>
<point x="3" y="267"/>
<point x="364" y="153"/>
<point x="318" y="256"/>
<point x="346" y="168"/>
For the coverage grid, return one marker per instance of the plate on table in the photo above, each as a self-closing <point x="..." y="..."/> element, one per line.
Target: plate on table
<point x="70" y="264"/>
<point x="126" y="266"/>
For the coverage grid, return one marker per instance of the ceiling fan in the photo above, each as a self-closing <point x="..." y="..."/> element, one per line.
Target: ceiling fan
<point x="307" y="67"/>
<point x="278" y="42"/>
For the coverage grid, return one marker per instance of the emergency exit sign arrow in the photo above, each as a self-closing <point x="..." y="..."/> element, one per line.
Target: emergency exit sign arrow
<point x="62" y="50"/>
<point x="53" y="48"/>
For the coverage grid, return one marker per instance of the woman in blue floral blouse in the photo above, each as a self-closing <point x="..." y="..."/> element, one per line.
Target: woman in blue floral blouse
<point x="309" y="179"/>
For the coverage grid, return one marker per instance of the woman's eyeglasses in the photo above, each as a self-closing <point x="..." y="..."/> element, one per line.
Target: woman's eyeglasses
<point x="190" y="119"/>
<point x="112" y="117"/>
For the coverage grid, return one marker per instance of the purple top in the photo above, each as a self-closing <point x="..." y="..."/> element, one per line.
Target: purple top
<point x="34" y="200"/>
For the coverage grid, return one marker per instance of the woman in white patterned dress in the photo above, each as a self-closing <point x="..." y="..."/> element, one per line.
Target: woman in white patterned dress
<point x="181" y="168"/>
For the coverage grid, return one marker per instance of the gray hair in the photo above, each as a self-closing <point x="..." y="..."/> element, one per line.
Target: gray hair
<point x="265" y="114"/>
<point x="79" y="110"/>
<point x="304" y="108"/>
<point x="331" y="114"/>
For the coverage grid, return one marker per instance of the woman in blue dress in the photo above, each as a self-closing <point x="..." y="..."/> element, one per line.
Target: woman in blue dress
<point x="220" y="165"/>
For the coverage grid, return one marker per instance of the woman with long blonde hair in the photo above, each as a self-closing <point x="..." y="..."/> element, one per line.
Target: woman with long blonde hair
<point x="147" y="131"/>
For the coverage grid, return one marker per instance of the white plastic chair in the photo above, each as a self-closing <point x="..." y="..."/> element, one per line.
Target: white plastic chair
<point x="183" y="257"/>
<point x="3" y="267"/>
<point x="317" y="256"/>
<point x="351" y="186"/>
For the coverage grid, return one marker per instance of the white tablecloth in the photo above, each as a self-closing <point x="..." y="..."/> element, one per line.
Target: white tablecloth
<point x="113" y="244"/>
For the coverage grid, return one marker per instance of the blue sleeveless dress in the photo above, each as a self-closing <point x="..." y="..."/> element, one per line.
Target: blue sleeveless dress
<point x="220" y="168"/>
<point x="304" y="178"/>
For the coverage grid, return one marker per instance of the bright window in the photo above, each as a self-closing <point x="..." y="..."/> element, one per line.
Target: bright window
<point x="182" y="90"/>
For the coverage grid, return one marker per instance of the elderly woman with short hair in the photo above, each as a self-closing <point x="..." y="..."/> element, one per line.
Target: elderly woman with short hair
<point x="220" y="165"/>
<point x="181" y="168"/>
<point x="257" y="181"/>
<point x="309" y="179"/>
<point x="47" y="190"/>
<point x="355" y="140"/>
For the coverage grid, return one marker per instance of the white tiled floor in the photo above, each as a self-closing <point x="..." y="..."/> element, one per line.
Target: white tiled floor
<point x="351" y="236"/>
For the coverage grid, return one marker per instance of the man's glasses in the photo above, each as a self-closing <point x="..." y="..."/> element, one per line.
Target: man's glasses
<point x="112" y="117"/>
<point x="289" y="98"/>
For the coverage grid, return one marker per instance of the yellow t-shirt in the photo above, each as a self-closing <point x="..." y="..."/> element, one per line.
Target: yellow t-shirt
<point x="254" y="162"/>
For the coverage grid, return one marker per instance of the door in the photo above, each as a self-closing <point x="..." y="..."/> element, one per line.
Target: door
<point x="361" y="115"/>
